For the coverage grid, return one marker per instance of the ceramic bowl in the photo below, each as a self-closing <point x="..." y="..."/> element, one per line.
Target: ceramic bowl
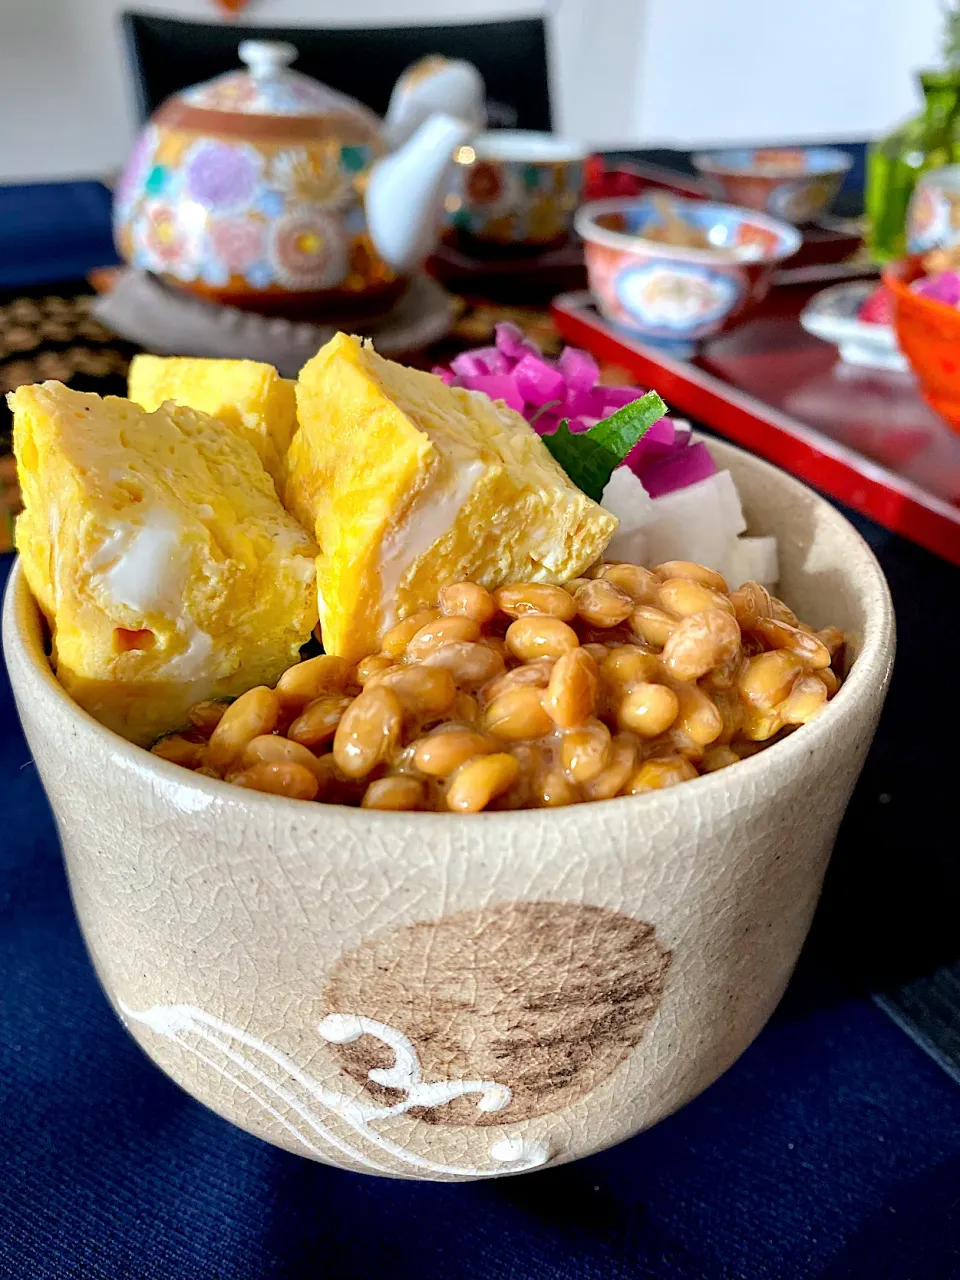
<point x="795" y="183"/>
<point x="933" y="215"/>
<point x="832" y="316"/>
<point x="517" y="190"/>
<point x="446" y="997"/>
<point x="929" y="335"/>
<point x="673" y="296"/>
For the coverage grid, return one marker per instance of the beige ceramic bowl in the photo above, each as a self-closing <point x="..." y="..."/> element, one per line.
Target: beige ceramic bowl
<point x="453" y="997"/>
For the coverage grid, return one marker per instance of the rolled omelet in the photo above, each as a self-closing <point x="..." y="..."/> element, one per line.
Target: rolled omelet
<point x="157" y="547"/>
<point x="410" y="484"/>
<point x="248" y="397"/>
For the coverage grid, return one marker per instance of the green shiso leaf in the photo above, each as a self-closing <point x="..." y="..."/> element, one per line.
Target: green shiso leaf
<point x="590" y="457"/>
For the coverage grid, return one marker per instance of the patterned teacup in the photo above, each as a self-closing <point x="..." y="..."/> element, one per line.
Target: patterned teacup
<point x="676" y="272"/>
<point x="795" y="183"/>
<point x="516" y="190"/>
<point x="933" y="217"/>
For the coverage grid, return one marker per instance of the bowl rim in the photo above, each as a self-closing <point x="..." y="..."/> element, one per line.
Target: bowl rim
<point x="900" y="274"/>
<point x="714" y="162"/>
<point x="587" y="228"/>
<point x="870" y="672"/>
<point x="556" y="148"/>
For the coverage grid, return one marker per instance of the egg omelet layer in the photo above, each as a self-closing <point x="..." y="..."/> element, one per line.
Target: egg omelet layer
<point x="158" y="549"/>
<point x="246" y="396"/>
<point x="409" y="484"/>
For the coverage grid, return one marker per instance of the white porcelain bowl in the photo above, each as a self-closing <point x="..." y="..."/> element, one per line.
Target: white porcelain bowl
<point x="453" y="997"/>
<point x="832" y="316"/>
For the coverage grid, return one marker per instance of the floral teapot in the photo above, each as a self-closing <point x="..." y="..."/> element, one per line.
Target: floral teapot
<point x="267" y="190"/>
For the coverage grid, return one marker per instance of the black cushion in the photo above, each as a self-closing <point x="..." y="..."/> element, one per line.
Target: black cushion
<point x="169" y="54"/>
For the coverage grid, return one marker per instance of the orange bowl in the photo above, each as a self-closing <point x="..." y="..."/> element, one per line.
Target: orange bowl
<point x="929" y="335"/>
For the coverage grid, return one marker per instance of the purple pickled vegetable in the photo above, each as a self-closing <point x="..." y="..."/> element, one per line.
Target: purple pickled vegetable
<point x="659" y="441"/>
<point x="566" y="388"/>
<point x="580" y="370"/>
<point x="613" y="398"/>
<point x="499" y="387"/>
<point x="469" y="364"/>
<point x="944" y="287"/>
<point x="544" y="424"/>
<point x="678" y="470"/>
<point x="544" y="391"/>
<point x="548" y="392"/>
<point x="512" y="343"/>
<point x="582" y="403"/>
<point x="537" y="382"/>
<point x="475" y="364"/>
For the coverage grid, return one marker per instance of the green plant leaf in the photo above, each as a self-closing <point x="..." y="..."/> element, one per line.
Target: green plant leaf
<point x="951" y="35"/>
<point x="590" y="457"/>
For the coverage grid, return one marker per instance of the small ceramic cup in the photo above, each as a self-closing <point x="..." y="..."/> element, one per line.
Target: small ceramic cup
<point x="795" y="183"/>
<point x="933" y="215"/>
<point x="450" y="997"/>
<point x="515" y="190"/>
<point x="670" y="295"/>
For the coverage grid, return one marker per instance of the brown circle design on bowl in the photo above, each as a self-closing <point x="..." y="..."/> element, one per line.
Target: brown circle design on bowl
<point x="547" y="998"/>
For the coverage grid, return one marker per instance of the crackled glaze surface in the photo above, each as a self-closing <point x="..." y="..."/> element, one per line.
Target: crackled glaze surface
<point x="449" y="997"/>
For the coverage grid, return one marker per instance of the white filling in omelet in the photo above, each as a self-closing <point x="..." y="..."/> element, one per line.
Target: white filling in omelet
<point x="145" y="567"/>
<point x="431" y="517"/>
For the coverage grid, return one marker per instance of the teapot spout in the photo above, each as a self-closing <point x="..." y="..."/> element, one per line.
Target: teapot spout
<point x="434" y="84"/>
<point x="405" y="192"/>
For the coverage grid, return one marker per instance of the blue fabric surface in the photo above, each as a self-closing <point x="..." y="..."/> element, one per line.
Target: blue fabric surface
<point x="51" y="231"/>
<point x="832" y="1149"/>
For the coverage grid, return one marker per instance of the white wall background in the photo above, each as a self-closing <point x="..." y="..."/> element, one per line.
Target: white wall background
<point x="625" y="71"/>
<point x="727" y="70"/>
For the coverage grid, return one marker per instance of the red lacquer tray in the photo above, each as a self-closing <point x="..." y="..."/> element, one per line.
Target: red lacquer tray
<point x="863" y="436"/>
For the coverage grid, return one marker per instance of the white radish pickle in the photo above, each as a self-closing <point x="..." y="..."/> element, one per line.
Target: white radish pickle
<point x="752" y="560"/>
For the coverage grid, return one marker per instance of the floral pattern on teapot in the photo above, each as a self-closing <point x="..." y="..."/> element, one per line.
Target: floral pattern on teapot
<point x="223" y="212"/>
<point x="293" y="95"/>
<point x="264" y="188"/>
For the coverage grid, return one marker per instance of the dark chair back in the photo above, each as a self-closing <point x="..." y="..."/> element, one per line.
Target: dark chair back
<point x="169" y="54"/>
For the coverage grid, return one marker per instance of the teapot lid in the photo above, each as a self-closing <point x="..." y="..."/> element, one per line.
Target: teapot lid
<point x="271" y="91"/>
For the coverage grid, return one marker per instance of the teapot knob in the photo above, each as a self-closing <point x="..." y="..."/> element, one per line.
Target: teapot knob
<point x="266" y="58"/>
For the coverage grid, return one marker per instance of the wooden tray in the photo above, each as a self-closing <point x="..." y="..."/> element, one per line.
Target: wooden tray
<point x="863" y="436"/>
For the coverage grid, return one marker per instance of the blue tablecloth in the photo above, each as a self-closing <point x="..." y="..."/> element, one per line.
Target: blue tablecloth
<point x="832" y="1149"/>
<point x="51" y="231"/>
